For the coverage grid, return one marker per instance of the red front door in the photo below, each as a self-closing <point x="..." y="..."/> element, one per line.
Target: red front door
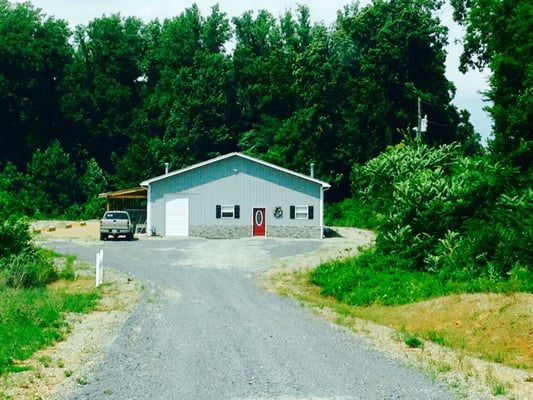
<point x="259" y="216"/>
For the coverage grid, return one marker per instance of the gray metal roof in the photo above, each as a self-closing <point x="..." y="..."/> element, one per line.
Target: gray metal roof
<point x="147" y="182"/>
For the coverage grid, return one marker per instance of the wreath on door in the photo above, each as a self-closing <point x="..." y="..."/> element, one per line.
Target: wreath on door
<point x="278" y="212"/>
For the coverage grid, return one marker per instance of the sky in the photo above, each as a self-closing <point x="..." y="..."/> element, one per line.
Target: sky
<point x="469" y="86"/>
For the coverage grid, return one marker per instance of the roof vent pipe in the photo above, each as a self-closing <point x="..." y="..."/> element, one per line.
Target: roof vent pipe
<point x="166" y="167"/>
<point x="312" y="170"/>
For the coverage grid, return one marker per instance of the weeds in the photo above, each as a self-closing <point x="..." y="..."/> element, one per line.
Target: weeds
<point x="31" y="314"/>
<point x="82" y="380"/>
<point x="374" y="278"/>
<point x="31" y="319"/>
<point x="46" y="361"/>
<point x="414" y="342"/>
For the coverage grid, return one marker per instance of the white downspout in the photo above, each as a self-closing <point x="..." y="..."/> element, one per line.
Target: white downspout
<point x="322" y="190"/>
<point x="149" y="210"/>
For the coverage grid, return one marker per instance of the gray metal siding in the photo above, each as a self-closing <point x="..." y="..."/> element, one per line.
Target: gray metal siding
<point x="235" y="181"/>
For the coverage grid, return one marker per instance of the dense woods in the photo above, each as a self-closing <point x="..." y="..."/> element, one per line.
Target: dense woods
<point x="118" y="98"/>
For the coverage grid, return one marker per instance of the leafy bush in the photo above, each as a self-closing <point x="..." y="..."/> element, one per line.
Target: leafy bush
<point x="27" y="269"/>
<point x="449" y="213"/>
<point x="375" y="181"/>
<point x="449" y="224"/>
<point x="14" y="236"/>
<point x="352" y="212"/>
<point x="21" y="264"/>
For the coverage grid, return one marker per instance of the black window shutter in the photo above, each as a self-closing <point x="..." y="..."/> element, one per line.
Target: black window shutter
<point x="237" y="212"/>
<point x="293" y="212"/>
<point x="311" y="212"/>
<point x="219" y="211"/>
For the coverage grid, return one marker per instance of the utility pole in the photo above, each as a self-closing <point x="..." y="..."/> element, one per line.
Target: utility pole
<point x="419" y="121"/>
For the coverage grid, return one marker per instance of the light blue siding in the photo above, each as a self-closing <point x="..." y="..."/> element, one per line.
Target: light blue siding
<point x="236" y="181"/>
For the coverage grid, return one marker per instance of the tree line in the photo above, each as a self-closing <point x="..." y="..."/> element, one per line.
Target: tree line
<point x="106" y="105"/>
<point x="132" y="95"/>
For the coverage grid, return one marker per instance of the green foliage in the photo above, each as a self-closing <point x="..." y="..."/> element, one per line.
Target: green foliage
<point x="26" y="269"/>
<point x="372" y="278"/>
<point x="35" y="52"/>
<point x="451" y="224"/>
<point x="412" y="341"/>
<point x="118" y="97"/>
<point x="21" y="264"/>
<point x="14" y="196"/>
<point x="52" y="180"/>
<point x="14" y="236"/>
<point x="52" y="187"/>
<point x="389" y="279"/>
<point x="352" y="212"/>
<point x="376" y="181"/>
<point x="444" y="211"/>
<point x="31" y="319"/>
<point x="491" y="25"/>
<point x="67" y="272"/>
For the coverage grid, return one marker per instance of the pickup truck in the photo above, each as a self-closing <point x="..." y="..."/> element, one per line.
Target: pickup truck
<point x="116" y="223"/>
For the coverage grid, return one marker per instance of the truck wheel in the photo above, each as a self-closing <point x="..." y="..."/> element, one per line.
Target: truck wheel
<point x="103" y="236"/>
<point x="129" y="236"/>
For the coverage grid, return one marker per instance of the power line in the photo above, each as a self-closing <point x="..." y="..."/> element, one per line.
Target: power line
<point x="440" y="124"/>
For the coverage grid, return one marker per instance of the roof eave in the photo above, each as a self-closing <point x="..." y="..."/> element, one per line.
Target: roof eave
<point x="147" y="182"/>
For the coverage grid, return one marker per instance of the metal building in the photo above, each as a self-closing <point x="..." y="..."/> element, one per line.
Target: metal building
<point x="234" y="196"/>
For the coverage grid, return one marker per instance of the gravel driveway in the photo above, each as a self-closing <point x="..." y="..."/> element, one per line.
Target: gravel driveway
<point x="204" y="330"/>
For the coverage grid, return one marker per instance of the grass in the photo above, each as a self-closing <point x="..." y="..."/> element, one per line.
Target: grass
<point x="493" y="327"/>
<point x="33" y="318"/>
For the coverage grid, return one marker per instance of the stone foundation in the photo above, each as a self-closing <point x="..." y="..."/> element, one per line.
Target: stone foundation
<point x="237" y="232"/>
<point x="220" y="232"/>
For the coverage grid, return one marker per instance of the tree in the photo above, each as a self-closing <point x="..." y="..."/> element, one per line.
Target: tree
<point x="15" y="199"/>
<point x="284" y="85"/>
<point x="52" y="179"/>
<point x="187" y="110"/>
<point x="499" y="35"/>
<point x="392" y="53"/>
<point x="101" y="91"/>
<point x="34" y="51"/>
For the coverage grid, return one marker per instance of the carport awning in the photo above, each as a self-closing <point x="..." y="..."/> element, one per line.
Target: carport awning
<point x="121" y="199"/>
<point x="135" y="193"/>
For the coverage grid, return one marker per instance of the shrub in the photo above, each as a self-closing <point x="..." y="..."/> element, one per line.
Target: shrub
<point x="445" y="212"/>
<point x="352" y="212"/>
<point x="14" y="236"/>
<point x="27" y="269"/>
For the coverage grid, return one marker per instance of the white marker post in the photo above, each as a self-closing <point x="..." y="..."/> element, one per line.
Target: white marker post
<point x="99" y="267"/>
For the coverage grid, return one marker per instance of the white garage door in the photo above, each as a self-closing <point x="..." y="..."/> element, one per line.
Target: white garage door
<point x="177" y="217"/>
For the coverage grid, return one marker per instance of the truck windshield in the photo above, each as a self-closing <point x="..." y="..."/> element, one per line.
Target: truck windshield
<point x="116" y="216"/>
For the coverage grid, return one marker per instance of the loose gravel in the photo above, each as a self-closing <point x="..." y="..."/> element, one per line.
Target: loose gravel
<point x="204" y="330"/>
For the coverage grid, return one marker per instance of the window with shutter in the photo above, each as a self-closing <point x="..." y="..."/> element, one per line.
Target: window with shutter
<point x="301" y="212"/>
